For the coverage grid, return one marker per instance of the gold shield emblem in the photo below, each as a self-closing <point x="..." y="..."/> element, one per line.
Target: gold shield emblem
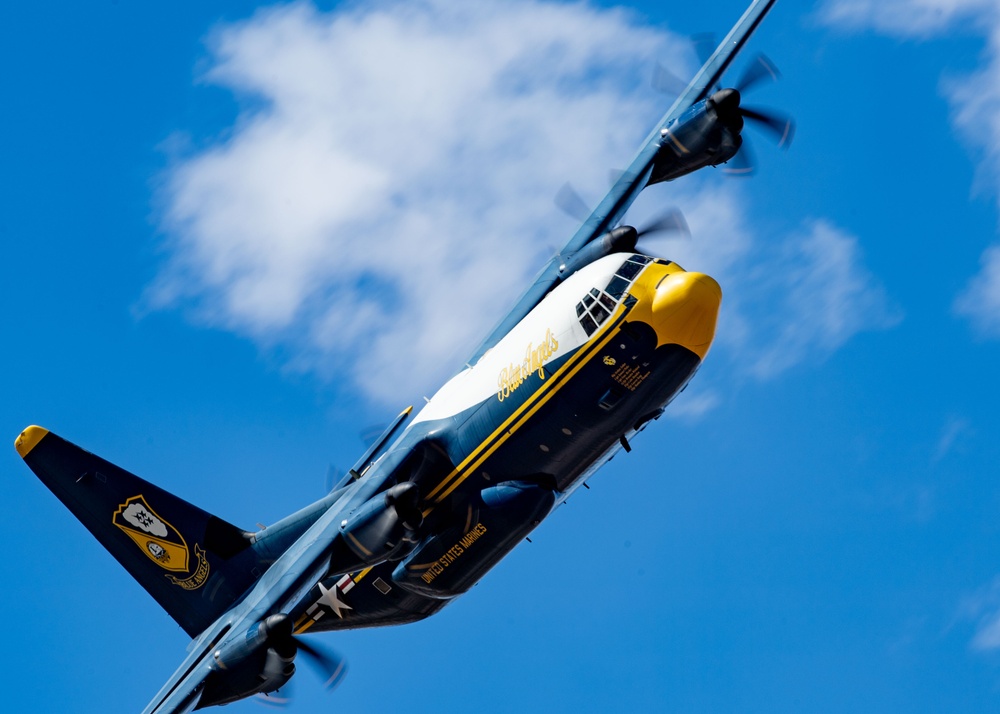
<point x="159" y="540"/>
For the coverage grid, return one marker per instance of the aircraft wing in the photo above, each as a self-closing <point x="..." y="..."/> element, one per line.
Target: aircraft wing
<point x="636" y="177"/>
<point x="284" y="584"/>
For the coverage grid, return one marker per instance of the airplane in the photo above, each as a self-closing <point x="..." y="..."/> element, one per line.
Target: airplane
<point x="595" y="350"/>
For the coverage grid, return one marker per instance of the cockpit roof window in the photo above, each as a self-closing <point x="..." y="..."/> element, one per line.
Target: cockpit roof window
<point x="592" y="313"/>
<point x="617" y="287"/>
<point x="629" y="270"/>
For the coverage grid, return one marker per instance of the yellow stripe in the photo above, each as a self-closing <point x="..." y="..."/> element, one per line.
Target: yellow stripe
<point x="305" y="626"/>
<point x="679" y="144"/>
<point x="526" y="410"/>
<point x="541" y="402"/>
<point x="580" y="357"/>
<point x="362" y="574"/>
<point x="358" y="543"/>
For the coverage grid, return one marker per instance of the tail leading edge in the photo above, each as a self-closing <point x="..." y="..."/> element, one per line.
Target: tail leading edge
<point x="194" y="564"/>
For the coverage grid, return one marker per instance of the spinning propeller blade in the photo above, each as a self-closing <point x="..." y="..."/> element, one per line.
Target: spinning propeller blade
<point x="569" y="201"/>
<point x="670" y="222"/>
<point x="704" y="44"/>
<point x="667" y="82"/>
<point x="760" y="69"/>
<point x="329" y="665"/>
<point x="742" y="164"/>
<point x="780" y="126"/>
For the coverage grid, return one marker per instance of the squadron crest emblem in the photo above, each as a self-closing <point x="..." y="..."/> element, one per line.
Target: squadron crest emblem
<point x="161" y="542"/>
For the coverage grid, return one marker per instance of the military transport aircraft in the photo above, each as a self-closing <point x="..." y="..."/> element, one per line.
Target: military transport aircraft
<point x="594" y="350"/>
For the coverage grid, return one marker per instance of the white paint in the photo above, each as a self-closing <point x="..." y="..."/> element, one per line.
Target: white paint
<point x="557" y="312"/>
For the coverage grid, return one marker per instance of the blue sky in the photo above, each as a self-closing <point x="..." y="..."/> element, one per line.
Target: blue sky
<point x="236" y="237"/>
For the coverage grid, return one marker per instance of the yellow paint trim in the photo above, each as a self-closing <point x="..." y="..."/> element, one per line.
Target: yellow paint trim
<point x="306" y="626"/>
<point x="677" y="143"/>
<point x="549" y="389"/>
<point x="28" y="440"/>
<point x="681" y="306"/>
<point x="359" y="544"/>
<point x="538" y="405"/>
<point x="362" y="574"/>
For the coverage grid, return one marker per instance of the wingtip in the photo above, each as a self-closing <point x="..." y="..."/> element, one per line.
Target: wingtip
<point x="28" y="439"/>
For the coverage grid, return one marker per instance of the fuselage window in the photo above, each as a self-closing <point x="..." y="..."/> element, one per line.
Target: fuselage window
<point x="617" y="287"/>
<point x="629" y="270"/>
<point x="597" y="305"/>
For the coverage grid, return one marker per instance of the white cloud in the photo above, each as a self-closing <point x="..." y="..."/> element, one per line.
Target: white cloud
<point x="386" y="191"/>
<point x="821" y="296"/>
<point x="693" y="405"/>
<point x="953" y="433"/>
<point x="393" y="167"/>
<point x="983" y="607"/>
<point x="980" y="301"/>
<point x="975" y="102"/>
<point x="904" y="17"/>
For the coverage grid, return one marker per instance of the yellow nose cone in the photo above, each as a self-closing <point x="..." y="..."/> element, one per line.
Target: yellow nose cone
<point x="685" y="310"/>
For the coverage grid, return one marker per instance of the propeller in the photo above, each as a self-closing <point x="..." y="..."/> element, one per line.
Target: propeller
<point x="761" y="69"/>
<point x="570" y="203"/>
<point x="670" y="221"/>
<point x="704" y="45"/>
<point x="666" y="82"/>
<point x="281" y="638"/>
<point x="328" y="664"/>
<point x="731" y="110"/>
<point x="758" y="70"/>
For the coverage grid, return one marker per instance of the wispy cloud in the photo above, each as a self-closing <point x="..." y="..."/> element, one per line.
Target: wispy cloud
<point x="952" y="433"/>
<point x="905" y="17"/>
<point x="980" y="301"/>
<point x="983" y="608"/>
<point x="822" y="295"/>
<point x="386" y="190"/>
<point x="975" y="102"/>
<point x="790" y="300"/>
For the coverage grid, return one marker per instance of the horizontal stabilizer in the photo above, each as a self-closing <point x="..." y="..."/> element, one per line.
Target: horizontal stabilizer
<point x="194" y="564"/>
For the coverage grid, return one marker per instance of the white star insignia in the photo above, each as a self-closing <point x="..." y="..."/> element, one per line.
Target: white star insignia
<point x="329" y="598"/>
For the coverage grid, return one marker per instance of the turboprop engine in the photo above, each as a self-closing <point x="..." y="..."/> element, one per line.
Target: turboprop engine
<point x="384" y="527"/>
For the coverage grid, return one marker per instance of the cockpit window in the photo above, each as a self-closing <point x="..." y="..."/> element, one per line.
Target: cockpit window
<point x="629" y="270"/>
<point x="617" y="287"/>
<point x="593" y="312"/>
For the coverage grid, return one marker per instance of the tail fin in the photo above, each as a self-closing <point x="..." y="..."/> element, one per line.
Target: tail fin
<point x="194" y="564"/>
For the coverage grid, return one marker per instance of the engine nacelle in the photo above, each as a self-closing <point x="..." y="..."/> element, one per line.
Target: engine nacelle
<point x="454" y="560"/>
<point x="707" y="134"/>
<point x="619" y="240"/>
<point x="384" y="528"/>
<point x="259" y="663"/>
